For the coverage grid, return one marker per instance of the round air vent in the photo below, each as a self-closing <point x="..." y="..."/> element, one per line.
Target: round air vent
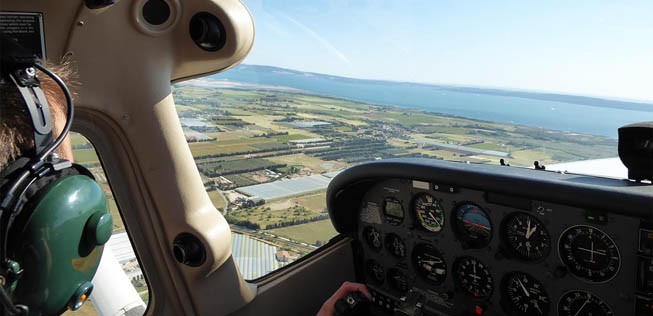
<point x="207" y="31"/>
<point x="155" y="17"/>
<point x="156" y="12"/>
<point x="188" y="250"/>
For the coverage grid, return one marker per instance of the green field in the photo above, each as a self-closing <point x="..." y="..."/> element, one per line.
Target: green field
<point x="309" y="233"/>
<point x="86" y="157"/>
<point x="77" y="139"/>
<point x="217" y="168"/>
<point x="316" y="202"/>
<point x="215" y="147"/>
<point x="315" y="164"/>
<point x="241" y="180"/>
<point x="265" y="215"/>
<point x="218" y="202"/>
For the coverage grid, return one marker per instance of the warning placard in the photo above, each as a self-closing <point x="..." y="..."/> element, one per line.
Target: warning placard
<point x="26" y="28"/>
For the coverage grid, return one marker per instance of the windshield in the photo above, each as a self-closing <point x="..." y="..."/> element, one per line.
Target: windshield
<point x="332" y="84"/>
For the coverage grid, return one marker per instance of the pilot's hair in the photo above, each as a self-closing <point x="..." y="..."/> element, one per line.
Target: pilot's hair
<point x="16" y="135"/>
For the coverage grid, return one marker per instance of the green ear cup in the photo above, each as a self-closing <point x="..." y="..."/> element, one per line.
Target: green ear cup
<point x="60" y="245"/>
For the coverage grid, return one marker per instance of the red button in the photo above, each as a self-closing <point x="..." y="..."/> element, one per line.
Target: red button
<point x="478" y="310"/>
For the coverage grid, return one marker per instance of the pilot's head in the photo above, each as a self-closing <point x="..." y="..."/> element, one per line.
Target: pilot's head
<point x="54" y="218"/>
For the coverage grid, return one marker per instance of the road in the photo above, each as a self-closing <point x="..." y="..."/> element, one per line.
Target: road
<point x="275" y="240"/>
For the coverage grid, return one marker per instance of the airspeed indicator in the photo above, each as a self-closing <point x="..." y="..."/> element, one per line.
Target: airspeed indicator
<point x="429" y="212"/>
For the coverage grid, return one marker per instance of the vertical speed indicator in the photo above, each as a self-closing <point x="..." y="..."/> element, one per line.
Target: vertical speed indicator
<point x="523" y="295"/>
<point x="429" y="212"/>
<point x="471" y="275"/>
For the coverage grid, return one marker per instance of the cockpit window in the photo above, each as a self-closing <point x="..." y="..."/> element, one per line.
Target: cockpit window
<point x="332" y="84"/>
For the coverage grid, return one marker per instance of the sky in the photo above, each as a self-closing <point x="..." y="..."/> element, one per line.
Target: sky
<point x="596" y="48"/>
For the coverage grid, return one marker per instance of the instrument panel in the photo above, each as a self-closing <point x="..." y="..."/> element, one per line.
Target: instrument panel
<point x="428" y="248"/>
<point x="549" y="259"/>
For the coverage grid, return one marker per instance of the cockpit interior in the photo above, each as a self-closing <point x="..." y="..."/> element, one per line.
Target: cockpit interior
<point x="237" y="186"/>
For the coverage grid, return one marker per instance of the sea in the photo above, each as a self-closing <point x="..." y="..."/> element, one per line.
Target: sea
<point x="562" y="116"/>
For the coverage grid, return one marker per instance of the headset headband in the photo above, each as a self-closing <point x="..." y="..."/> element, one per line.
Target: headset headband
<point x="18" y="66"/>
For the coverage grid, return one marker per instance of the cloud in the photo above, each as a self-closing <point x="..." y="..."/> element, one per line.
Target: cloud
<point x="324" y="42"/>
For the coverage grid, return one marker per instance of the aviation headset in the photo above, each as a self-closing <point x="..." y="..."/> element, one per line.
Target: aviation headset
<point x="54" y="217"/>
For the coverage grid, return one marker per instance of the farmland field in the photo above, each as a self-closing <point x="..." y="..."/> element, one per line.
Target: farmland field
<point x="309" y="233"/>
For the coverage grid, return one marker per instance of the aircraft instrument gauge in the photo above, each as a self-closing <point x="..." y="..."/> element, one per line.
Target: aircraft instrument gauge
<point x="397" y="280"/>
<point x="375" y="271"/>
<point x="589" y="253"/>
<point x="429" y="212"/>
<point x="373" y="238"/>
<point x="395" y="245"/>
<point x="472" y="225"/>
<point x="429" y="263"/>
<point x="523" y="295"/>
<point x="393" y="211"/>
<point x="473" y="277"/>
<point x="581" y="303"/>
<point x="526" y="237"/>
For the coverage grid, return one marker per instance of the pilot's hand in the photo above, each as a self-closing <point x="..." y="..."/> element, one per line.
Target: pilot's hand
<point x="328" y="308"/>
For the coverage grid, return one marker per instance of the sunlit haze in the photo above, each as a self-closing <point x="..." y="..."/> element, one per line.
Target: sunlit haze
<point x="596" y="48"/>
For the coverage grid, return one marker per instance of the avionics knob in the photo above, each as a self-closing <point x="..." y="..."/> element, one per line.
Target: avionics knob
<point x="354" y="304"/>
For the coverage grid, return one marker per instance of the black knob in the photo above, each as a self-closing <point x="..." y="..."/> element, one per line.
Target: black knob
<point x="354" y="304"/>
